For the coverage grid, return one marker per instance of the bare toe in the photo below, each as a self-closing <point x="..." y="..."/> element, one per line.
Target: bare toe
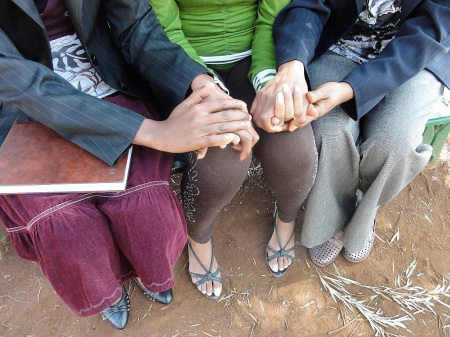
<point x="209" y="288"/>
<point x="217" y="286"/>
<point x="202" y="264"/>
<point x="274" y="265"/>
<point x="280" y="263"/>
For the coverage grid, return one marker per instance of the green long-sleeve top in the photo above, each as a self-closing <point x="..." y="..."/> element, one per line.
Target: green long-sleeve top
<point x="222" y="31"/>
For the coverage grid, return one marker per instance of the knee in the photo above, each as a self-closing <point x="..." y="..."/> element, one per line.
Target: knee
<point x="222" y="162"/>
<point x="303" y="156"/>
<point x="336" y="129"/>
<point x="390" y="146"/>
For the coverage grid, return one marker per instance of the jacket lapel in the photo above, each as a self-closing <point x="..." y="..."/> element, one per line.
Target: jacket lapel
<point x="30" y="9"/>
<point x="21" y="21"/>
<point x="83" y="14"/>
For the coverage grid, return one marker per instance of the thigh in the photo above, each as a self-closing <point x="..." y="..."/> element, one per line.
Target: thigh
<point x="398" y="121"/>
<point x="335" y="126"/>
<point x="330" y="67"/>
<point x="283" y="150"/>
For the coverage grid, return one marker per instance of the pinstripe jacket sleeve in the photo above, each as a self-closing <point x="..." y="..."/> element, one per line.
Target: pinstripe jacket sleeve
<point x="104" y="129"/>
<point x="126" y="46"/>
<point x="164" y="65"/>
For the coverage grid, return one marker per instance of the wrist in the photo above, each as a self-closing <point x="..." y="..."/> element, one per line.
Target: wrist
<point x="292" y="73"/>
<point x="200" y="80"/>
<point x="294" y="65"/>
<point x="347" y="92"/>
<point x="147" y="135"/>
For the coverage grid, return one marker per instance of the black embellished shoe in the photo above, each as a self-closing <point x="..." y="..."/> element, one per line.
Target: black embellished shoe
<point x="163" y="297"/>
<point x="117" y="314"/>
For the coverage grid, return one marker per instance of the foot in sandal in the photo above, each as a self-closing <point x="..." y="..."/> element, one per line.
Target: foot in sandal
<point x="280" y="249"/>
<point x="203" y="268"/>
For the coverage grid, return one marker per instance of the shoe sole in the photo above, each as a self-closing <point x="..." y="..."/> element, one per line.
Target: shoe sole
<point x="320" y="264"/>
<point x="349" y="259"/>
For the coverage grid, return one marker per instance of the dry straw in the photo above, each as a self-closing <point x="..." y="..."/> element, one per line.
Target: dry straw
<point x="410" y="299"/>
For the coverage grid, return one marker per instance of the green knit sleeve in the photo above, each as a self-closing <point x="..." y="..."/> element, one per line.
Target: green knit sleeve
<point x="168" y="16"/>
<point x="263" y="66"/>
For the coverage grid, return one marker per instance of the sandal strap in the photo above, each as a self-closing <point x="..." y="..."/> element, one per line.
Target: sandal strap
<point x="209" y="276"/>
<point x="278" y="235"/>
<point x="198" y="259"/>
<point x="280" y="253"/>
<point x="283" y="252"/>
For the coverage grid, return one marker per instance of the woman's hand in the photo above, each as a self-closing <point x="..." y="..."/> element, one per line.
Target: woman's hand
<point x="245" y="139"/>
<point x="328" y="96"/>
<point x="195" y="124"/>
<point x="282" y="100"/>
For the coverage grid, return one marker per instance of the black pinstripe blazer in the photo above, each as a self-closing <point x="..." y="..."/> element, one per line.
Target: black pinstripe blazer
<point x="126" y="46"/>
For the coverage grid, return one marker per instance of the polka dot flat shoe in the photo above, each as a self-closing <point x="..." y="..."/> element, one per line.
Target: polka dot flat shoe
<point x="324" y="254"/>
<point x="364" y="253"/>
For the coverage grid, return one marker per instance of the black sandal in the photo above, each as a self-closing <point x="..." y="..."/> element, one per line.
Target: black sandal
<point x="209" y="276"/>
<point x="283" y="252"/>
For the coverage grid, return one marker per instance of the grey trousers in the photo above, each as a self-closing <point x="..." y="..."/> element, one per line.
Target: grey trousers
<point x="379" y="155"/>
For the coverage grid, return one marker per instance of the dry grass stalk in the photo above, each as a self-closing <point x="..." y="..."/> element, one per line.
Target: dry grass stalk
<point x="255" y="171"/>
<point x="409" y="298"/>
<point x="256" y="175"/>
<point x="343" y="327"/>
<point x="396" y="236"/>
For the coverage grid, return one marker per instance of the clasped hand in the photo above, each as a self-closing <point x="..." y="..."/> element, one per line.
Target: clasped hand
<point x="244" y="139"/>
<point x="197" y="123"/>
<point x="284" y="103"/>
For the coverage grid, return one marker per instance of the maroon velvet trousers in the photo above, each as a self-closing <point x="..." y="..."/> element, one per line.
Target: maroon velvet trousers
<point x="89" y="244"/>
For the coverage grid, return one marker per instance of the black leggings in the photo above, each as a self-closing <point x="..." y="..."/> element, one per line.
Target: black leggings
<point x="288" y="160"/>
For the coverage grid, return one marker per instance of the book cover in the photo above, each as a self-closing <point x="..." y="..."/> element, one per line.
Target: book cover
<point x="35" y="159"/>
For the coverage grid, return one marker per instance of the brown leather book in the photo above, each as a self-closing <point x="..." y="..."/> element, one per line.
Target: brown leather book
<point x="35" y="159"/>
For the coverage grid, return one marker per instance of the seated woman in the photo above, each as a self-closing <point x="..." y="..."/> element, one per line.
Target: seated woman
<point x="377" y="69"/>
<point x="232" y="37"/>
<point x="89" y="244"/>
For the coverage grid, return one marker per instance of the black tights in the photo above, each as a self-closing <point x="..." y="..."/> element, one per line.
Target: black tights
<point x="288" y="160"/>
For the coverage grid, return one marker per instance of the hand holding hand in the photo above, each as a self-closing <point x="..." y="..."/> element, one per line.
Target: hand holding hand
<point x="195" y="124"/>
<point x="247" y="139"/>
<point x="216" y="92"/>
<point x="244" y="139"/>
<point x="328" y="96"/>
<point x="282" y="100"/>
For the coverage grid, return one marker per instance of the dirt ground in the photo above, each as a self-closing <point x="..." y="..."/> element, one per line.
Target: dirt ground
<point x="254" y="303"/>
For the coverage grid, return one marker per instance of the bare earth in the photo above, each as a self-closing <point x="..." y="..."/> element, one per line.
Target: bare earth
<point x="254" y="303"/>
